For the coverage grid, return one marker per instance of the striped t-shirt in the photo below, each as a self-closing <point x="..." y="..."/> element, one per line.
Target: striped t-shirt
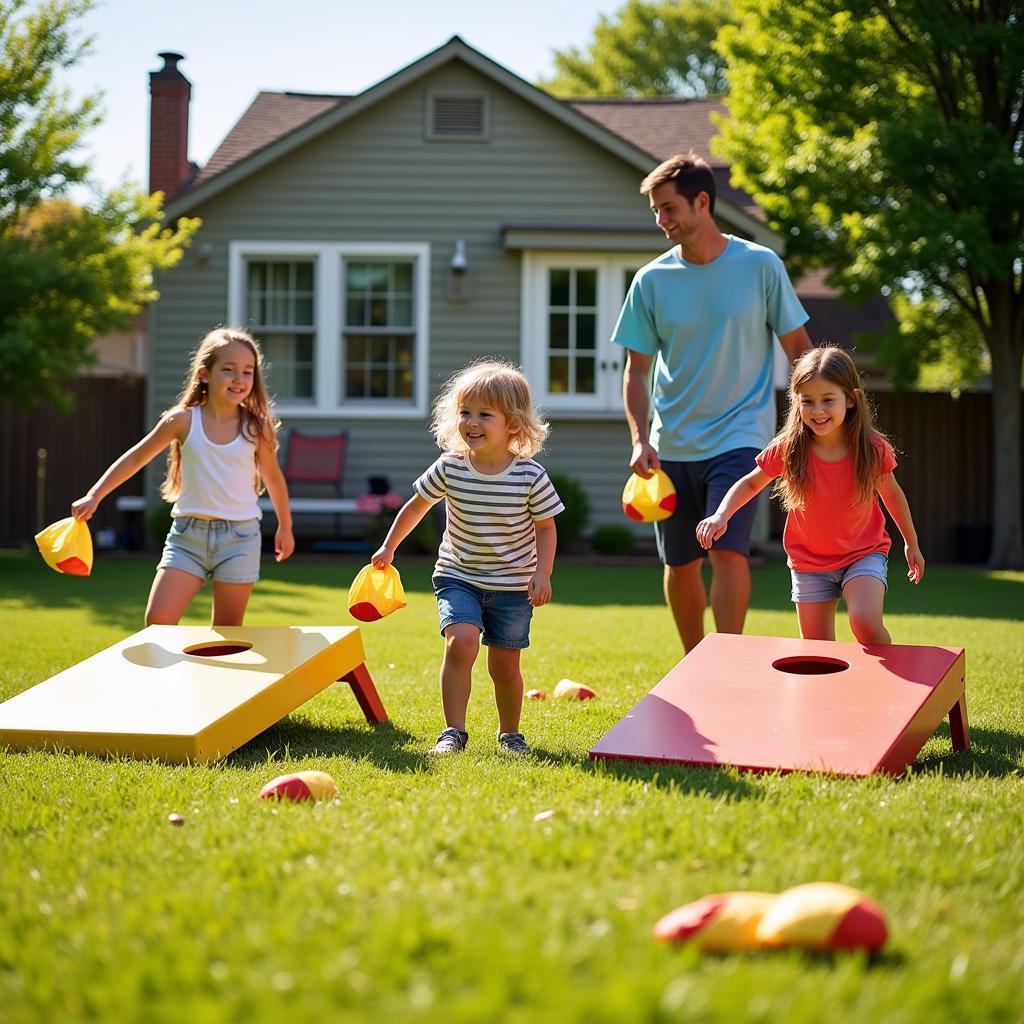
<point x="489" y="539"/>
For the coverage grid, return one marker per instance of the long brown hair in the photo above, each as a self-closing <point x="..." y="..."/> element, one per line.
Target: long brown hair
<point x="794" y="440"/>
<point x="258" y="423"/>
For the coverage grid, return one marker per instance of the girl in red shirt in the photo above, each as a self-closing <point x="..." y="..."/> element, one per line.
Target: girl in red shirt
<point x="830" y="465"/>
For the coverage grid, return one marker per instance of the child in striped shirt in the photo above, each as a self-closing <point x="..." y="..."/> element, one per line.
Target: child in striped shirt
<point x="495" y="559"/>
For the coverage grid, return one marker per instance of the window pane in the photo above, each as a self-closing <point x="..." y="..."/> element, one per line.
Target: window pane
<point x="291" y="364"/>
<point x="379" y="313"/>
<point x="585" y="375"/>
<point x="379" y="349"/>
<point x="403" y="351"/>
<point x="355" y="386"/>
<point x="401" y="313"/>
<point x="280" y="277"/>
<point x="558" y="287"/>
<point x="257" y="276"/>
<point x="256" y="309"/>
<point x="355" y="348"/>
<point x="355" y="312"/>
<point x="304" y="277"/>
<point x="303" y="311"/>
<point x="379" y="384"/>
<point x="403" y="384"/>
<point x="403" y="277"/>
<point x="586" y="330"/>
<point x="277" y="309"/>
<point x="558" y="374"/>
<point x="357" y="277"/>
<point x="558" y="330"/>
<point x="586" y="287"/>
<point x="377" y="274"/>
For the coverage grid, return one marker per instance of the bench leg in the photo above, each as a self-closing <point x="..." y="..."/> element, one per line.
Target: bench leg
<point x="958" y="730"/>
<point x="366" y="693"/>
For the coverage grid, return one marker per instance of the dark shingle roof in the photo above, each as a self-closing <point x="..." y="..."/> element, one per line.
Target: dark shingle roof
<point x="270" y="116"/>
<point x="664" y="127"/>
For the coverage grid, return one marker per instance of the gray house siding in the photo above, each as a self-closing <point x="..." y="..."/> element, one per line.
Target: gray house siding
<point x="376" y="178"/>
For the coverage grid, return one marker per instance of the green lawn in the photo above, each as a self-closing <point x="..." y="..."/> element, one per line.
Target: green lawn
<point x="427" y="892"/>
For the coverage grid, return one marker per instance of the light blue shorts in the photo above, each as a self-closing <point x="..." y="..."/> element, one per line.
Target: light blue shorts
<point x="502" y="616"/>
<point x="227" y="550"/>
<point x="810" y="587"/>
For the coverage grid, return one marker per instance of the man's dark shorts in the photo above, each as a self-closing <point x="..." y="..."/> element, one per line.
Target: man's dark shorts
<point x="701" y="486"/>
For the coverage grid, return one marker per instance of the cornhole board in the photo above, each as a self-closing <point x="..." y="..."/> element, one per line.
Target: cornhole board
<point x="188" y="693"/>
<point x="776" y="704"/>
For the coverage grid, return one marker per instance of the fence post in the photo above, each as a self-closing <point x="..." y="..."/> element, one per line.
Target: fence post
<point x="40" y="488"/>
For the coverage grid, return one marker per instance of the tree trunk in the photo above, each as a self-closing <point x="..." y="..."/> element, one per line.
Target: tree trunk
<point x="1007" y="351"/>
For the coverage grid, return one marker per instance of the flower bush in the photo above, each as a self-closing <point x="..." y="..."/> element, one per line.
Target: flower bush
<point x="378" y="511"/>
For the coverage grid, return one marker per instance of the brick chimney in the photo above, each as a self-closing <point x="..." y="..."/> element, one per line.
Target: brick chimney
<point x="170" y="91"/>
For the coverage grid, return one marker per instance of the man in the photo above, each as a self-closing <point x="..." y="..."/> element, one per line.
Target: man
<point x="705" y="313"/>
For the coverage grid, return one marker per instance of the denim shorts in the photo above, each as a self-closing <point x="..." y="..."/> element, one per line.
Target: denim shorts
<point x="227" y="550"/>
<point x="811" y="587"/>
<point x="502" y="616"/>
<point x="700" y="487"/>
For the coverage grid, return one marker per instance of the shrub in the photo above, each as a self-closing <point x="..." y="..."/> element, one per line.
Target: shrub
<point x="613" y="539"/>
<point x="571" y="522"/>
<point x="158" y="522"/>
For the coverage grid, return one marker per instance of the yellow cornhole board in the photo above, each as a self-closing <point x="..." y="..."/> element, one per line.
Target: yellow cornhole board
<point x="187" y="693"/>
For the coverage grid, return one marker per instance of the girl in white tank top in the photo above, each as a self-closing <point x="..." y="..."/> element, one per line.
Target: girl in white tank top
<point x="223" y="441"/>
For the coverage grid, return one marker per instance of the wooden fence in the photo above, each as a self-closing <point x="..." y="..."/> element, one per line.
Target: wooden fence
<point x="106" y="419"/>
<point x="944" y="448"/>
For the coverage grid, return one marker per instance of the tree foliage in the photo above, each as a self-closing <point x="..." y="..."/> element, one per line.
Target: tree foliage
<point x="647" y="48"/>
<point x="70" y="272"/>
<point x="884" y="139"/>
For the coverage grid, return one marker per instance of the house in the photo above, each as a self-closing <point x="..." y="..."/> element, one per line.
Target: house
<point x="375" y="243"/>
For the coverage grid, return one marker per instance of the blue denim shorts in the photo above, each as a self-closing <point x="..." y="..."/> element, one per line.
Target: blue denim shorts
<point x="227" y="550"/>
<point x="811" y="587"/>
<point x="700" y="487"/>
<point x="502" y="616"/>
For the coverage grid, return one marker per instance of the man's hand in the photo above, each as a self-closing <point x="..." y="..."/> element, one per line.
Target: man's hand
<point x="644" y="460"/>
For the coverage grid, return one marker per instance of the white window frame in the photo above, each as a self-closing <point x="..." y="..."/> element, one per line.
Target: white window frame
<point x="606" y="402"/>
<point x="329" y="321"/>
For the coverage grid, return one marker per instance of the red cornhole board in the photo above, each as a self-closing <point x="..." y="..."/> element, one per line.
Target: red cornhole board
<point x="771" y="703"/>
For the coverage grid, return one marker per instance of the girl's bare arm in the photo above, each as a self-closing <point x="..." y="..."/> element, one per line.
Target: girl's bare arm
<point x="405" y="522"/>
<point x="898" y="507"/>
<point x="747" y="487"/>
<point x="277" y="489"/>
<point x="170" y="428"/>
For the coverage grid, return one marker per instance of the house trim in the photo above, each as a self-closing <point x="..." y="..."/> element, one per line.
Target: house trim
<point x="328" y="260"/>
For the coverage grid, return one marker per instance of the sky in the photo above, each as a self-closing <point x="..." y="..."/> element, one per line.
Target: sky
<point x="235" y="48"/>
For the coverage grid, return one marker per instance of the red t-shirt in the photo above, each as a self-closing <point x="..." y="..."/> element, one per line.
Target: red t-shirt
<point x="832" y="531"/>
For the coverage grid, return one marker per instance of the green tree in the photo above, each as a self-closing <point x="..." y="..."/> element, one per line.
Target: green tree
<point x="69" y="272"/>
<point x="647" y="48"/>
<point x="884" y="139"/>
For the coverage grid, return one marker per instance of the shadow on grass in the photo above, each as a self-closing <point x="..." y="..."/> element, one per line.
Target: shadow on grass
<point x="383" y="745"/>
<point x="994" y="752"/>
<point x="710" y="782"/>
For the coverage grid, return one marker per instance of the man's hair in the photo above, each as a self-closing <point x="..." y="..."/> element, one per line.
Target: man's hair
<point x="688" y="172"/>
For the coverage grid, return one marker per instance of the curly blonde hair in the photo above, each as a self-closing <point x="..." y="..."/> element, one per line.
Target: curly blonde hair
<point x="258" y="423"/>
<point x="500" y="385"/>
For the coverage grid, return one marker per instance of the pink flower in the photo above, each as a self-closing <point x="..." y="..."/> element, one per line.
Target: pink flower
<point x="393" y="500"/>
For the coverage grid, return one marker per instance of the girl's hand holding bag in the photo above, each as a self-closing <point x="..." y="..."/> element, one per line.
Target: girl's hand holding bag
<point x="375" y="593"/>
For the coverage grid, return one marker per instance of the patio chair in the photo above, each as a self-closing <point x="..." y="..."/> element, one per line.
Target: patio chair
<point x="316" y="459"/>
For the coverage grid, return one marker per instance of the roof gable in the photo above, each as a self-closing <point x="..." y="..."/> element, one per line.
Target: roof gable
<point x="277" y="123"/>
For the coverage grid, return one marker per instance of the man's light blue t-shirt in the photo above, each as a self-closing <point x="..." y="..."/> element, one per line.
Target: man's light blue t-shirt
<point x="712" y="328"/>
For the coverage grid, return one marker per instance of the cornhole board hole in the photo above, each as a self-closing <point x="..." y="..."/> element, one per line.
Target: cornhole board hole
<point x="188" y="693"/>
<point x="770" y="703"/>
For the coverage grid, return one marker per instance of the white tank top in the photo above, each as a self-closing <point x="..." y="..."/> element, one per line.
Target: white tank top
<point x="217" y="480"/>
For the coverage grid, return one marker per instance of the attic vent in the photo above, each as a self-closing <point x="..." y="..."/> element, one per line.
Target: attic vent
<point x="457" y="117"/>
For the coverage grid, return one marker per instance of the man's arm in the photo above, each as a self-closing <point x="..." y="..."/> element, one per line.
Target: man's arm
<point x="795" y="343"/>
<point x="637" y="403"/>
